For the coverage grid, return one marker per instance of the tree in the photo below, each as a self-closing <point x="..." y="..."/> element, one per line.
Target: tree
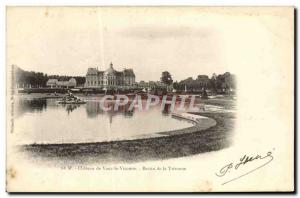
<point x="213" y="82"/>
<point x="176" y="85"/>
<point x="204" y="94"/>
<point x="166" y="78"/>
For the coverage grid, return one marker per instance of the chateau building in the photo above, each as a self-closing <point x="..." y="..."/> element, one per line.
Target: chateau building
<point x="109" y="78"/>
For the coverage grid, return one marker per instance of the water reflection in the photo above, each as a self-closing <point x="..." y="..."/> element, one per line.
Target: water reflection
<point x="95" y="108"/>
<point x="166" y="110"/>
<point x="70" y="107"/>
<point x="43" y="120"/>
<point x="31" y="106"/>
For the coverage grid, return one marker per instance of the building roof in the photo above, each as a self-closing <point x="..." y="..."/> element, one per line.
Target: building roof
<point x="129" y="72"/>
<point x="119" y="73"/>
<point x="92" y="71"/>
<point x="72" y="80"/>
<point x="52" y="81"/>
<point x="110" y="70"/>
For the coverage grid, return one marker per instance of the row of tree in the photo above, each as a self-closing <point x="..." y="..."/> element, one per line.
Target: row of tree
<point x="216" y="83"/>
<point x="26" y="79"/>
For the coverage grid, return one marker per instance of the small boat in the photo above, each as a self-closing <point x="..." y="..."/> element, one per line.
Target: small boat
<point x="71" y="99"/>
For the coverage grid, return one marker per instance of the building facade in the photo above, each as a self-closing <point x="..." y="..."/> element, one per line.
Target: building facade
<point x="109" y="78"/>
<point x="71" y="83"/>
<point x="152" y="85"/>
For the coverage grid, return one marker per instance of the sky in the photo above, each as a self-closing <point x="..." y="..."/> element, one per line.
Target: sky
<point x="67" y="41"/>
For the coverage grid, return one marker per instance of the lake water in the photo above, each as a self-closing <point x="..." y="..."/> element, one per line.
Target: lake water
<point x="45" y="121"/>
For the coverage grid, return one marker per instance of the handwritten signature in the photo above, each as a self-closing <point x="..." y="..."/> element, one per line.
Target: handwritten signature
<point x="225" y="170"/>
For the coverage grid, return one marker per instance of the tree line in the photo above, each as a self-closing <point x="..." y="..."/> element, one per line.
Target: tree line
<point x="26" y="79"/>
<point x="216" y="83"/>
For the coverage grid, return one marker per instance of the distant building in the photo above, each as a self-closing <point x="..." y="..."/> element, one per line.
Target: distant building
<point x="152" y="85"/>
<point x="56" y="83"/>
<point x="52" y="83"/>
<point x="110" y="78"/>
<point x="143" y="85"/>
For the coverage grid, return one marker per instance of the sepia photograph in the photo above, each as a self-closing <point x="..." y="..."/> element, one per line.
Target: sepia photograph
<point x="149" y="99"/>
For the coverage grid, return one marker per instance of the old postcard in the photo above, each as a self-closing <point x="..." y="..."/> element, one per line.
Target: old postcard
<point x="150" y="99"/>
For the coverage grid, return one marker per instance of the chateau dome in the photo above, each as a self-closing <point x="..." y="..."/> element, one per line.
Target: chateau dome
<point x="110" y="70"/>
